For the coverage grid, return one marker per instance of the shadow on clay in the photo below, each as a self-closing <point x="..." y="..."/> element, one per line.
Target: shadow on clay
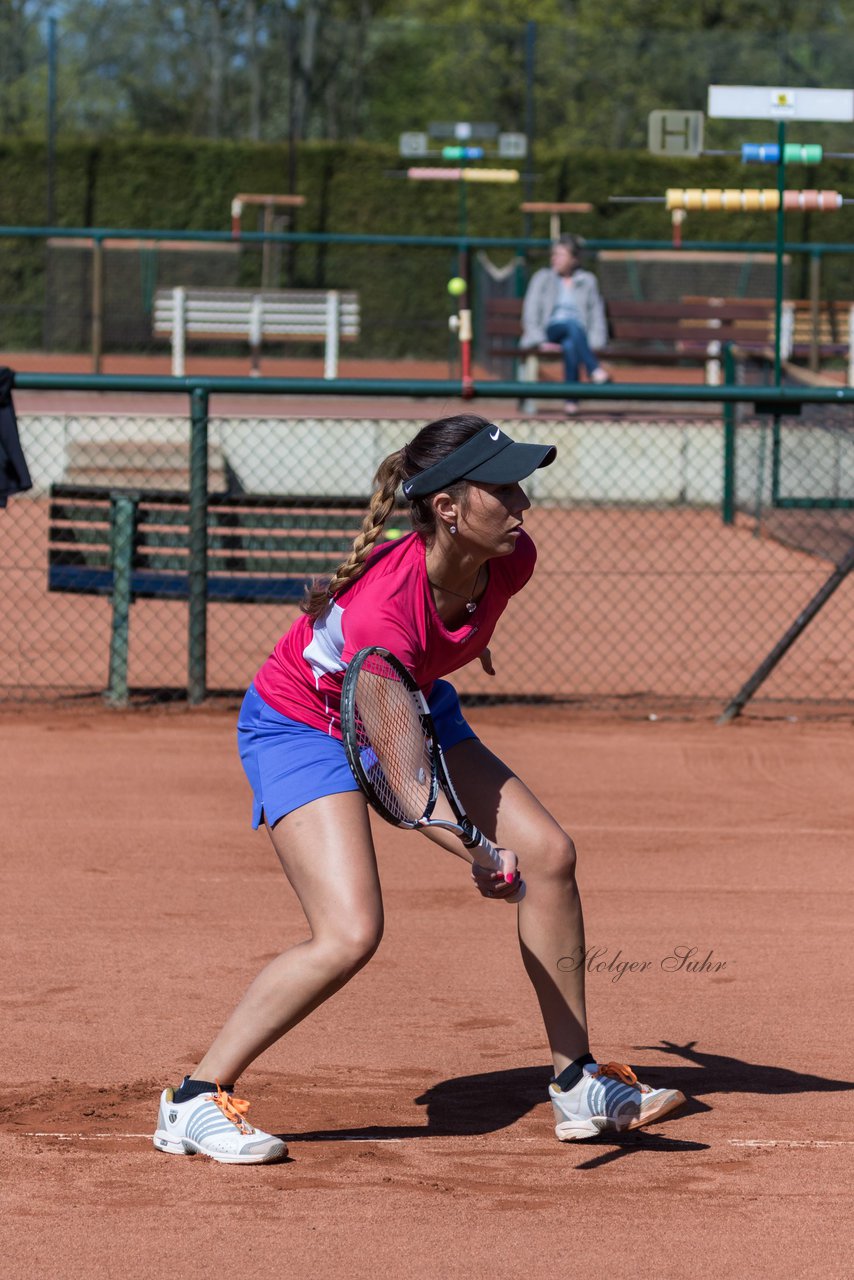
<point x="478" y="1104"/>
<point x="721" y="1074"/>
<point x="495" y="1100"/>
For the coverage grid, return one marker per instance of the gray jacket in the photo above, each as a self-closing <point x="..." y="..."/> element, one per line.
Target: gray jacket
<point x="541" y="299"/>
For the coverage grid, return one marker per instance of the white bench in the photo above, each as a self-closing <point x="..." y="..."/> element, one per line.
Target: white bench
<point x="258" y="315"/>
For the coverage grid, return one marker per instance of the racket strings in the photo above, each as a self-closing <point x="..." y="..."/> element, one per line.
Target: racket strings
<point x="394" y="750"/>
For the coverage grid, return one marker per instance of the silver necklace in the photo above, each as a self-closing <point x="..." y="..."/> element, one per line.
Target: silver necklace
<point x="471" y="603"/>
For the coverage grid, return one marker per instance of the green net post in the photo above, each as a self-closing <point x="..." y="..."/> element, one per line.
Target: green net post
<point x="122" y="526"/>
<point x="198" y="548"/>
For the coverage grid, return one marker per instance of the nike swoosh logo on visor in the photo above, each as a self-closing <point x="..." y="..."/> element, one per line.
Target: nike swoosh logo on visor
<point x="494" y="437"/>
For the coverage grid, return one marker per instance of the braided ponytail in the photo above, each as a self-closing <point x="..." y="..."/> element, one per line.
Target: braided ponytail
<point x="390" y="475"/>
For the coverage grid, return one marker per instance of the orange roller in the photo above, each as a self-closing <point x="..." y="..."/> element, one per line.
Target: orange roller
<point x="732" y="200"/>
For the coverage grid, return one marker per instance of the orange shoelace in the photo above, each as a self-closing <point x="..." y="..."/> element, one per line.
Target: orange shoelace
<point x="234" y="1109"/>
<point x="618" y="1071"/>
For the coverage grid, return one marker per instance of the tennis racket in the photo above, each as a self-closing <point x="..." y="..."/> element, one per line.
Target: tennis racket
<point x="391" y="744"/>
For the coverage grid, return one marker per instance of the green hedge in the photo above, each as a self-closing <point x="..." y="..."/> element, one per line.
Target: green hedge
<point x="188" y="184"/>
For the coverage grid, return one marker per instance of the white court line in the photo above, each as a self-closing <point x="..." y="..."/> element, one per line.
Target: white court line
<point x="733" y="1142"/>
<point x="791" y="1142"/>
<point x="92" y="1137"/>
<point x="702" y="831"/>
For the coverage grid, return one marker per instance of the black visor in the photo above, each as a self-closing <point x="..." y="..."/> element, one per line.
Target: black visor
<point x="490" y="456"/>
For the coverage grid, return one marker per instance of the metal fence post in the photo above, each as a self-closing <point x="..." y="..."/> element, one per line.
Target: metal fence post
<point x="198" y="548"/>
<point x="728" y="504"/>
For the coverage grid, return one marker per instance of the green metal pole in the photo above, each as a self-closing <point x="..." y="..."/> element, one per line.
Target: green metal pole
<point x="780" y="252"/>
<point x="462" y="247"/>
<point x="728" y="504"/>
<point x="530" y="114"/>
<point x="815" y="310"/>
<point x="97" y="302"/>
<point x="122" y="524"/>
<point x="778" y="309"/>
<point x="198" y="548"/>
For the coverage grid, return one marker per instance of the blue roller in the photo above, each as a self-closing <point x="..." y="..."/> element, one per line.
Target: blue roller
<point x="760" y="153"/>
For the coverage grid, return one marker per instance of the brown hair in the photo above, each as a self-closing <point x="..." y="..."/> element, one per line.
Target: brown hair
<point x="575" y="244"/>
<point x="432" y="443"/>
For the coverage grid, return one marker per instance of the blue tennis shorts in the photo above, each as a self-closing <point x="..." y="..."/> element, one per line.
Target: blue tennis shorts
<point x="289" y="764"/>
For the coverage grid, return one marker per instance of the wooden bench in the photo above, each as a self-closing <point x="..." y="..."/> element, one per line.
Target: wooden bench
<point x="817" y="332"/>
<point x="127" y="544"/>
<point x="688" y="331"/>
<point x="256" y="316"/>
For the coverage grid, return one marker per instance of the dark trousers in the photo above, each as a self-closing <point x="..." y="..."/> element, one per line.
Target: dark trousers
<point x="576" y="349"/>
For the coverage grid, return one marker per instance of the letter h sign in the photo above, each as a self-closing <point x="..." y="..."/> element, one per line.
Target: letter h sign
<point x="675" y="133"/>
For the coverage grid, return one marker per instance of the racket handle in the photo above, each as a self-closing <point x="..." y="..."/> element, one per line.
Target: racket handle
<point x="486" y="855"/>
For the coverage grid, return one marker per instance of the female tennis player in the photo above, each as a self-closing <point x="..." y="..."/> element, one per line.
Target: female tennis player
<point x="433" y="598"/>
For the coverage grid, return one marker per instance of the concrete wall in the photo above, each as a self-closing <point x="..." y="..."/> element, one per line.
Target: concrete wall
<point x="598" y="461"/>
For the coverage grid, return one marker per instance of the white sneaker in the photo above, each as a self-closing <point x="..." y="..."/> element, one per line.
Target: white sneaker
<point x="212" y="1125"/>
<point x="600" y="375"/>
<point x="608" y="1097"/>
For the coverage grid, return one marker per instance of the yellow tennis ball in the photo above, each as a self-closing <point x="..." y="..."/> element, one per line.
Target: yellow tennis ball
<point x="456" y="286"/>
<point x="394" y="533"/>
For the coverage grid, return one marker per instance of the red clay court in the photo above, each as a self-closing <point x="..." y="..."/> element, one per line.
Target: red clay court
<point x="137" y="903"/>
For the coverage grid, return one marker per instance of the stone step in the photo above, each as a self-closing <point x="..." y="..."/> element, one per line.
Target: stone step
<point x="140" y="478"/>
<point x="138" y="464"/>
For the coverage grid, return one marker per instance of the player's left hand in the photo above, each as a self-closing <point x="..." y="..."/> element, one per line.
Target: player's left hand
<point x="486" y="662"/>
<point x="494" y="884"/>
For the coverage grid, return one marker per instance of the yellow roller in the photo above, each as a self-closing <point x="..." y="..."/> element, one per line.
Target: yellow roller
<point x="714" y="199"/>
<point x="490" y="175"/>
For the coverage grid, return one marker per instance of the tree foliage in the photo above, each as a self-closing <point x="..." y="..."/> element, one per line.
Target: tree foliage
<point x="272" y="70"/>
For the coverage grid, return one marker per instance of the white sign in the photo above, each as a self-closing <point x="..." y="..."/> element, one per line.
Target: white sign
<point x="769" y="102"/>
<point x="413" y="144"/>
<point x="675" y="133"/>
<point x="512" y="146"/>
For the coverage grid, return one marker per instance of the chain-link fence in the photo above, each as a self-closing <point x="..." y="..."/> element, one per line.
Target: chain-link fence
<point x="643" y="592"/>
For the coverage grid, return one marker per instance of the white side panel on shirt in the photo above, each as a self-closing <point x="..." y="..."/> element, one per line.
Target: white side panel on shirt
<point x="323" y="653"/>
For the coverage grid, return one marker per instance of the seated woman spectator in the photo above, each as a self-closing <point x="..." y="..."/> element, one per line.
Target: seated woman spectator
<point x="563" y="305"/>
